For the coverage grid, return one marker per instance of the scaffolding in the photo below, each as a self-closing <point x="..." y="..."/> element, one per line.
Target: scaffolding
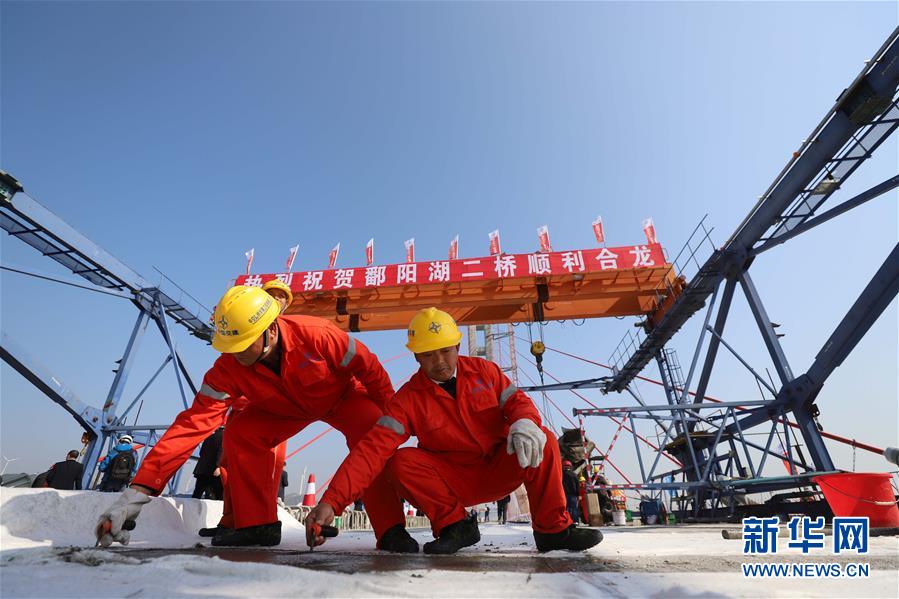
<point x="719" y="463"/>
<point x="161" y="304"/>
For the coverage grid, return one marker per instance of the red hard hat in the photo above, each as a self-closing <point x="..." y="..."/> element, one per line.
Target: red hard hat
<point x="566" y="463"/>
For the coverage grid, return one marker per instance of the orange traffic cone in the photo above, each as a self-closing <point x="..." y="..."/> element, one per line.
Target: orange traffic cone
<point x="309" y="497"/>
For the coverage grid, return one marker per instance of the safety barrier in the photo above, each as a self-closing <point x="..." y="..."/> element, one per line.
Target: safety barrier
<point x="356" y="520"/>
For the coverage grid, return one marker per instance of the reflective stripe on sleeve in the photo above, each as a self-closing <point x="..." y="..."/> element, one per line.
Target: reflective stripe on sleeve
<point x="210" y="392"/>
<point x="391" y="423"/>
<point x="350" y="353"/>
<point x="506" y="394"/>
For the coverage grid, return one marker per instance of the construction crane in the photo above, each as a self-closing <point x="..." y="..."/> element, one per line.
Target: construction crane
<point x="717" y="463"/>
<point x="506" y="288"/>
<point x="586" y="283"/>
<point x="27" y="220"/>
<point x="864" y="116"/>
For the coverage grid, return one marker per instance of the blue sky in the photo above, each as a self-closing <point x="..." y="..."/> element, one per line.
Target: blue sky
<point x="179" y="135"/>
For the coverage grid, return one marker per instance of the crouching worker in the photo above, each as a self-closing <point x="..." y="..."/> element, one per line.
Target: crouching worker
<point x="210" y="410"/>
<point x="293" y="371"/>
<point x="479" y="438"/>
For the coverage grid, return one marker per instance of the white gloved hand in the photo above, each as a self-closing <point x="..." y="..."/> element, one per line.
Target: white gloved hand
<point x="126" y="507"/>
<point x="527" y="441"/>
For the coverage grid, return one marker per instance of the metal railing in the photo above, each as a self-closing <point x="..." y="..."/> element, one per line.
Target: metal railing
<point x="687" y="263"/>
<point x="354" y="519"/>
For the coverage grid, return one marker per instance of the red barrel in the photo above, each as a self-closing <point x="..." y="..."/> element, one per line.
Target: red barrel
<point x="861" y="494"/>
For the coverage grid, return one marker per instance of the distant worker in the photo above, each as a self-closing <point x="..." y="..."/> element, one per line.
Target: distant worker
<point x="293" y="370"/>
<point x="571" y="487"/>
<point x="40" y="481"/>
<point x="282" y="487"/>
<point x="119" y="465"/>
<point x="279" y="290"/>
<point x="487" y="513"/>
<point x="479" y="438"/>
<point x="604" y="495"/>
<point x="502" y="507"/>
<point x="66" y="475"/>
<point x="207" y="471"/>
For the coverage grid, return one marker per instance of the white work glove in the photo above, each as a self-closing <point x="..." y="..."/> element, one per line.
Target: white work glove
<point x="126" y="507"/>
<point x="527" y="441"/>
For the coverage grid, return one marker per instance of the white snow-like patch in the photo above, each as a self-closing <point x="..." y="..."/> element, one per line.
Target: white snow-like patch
<point x="46" y="550"/>
<point x="45" y="517"/>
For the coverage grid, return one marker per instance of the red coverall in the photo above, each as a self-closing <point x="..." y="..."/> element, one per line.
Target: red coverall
<point x="325" y="375"/>
<point x="208" y="411"/>
<point x="461" y="456"/>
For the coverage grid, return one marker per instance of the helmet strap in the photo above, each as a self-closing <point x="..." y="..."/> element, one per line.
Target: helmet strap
<point x="268" y="347"/>
<point x="264" y="346"/>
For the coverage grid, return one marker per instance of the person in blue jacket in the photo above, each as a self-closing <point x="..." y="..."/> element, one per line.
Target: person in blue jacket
<point x="119" y="466"/>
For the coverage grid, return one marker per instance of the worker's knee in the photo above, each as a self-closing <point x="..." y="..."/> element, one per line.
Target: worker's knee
<point x="405" y="460"/>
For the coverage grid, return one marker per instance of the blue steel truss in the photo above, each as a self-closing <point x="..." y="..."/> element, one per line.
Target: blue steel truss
<point x="864" y="116"/>
<point x="24" y="218"/>
<point x="716" y="454"/>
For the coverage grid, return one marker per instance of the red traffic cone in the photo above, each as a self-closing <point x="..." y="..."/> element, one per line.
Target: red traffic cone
<point x="309" y="497"/>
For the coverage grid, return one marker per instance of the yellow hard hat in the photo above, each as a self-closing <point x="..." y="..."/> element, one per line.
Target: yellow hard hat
<point x="241" y="316"/>
<point x="432" y="329"/>
<point x="280" y="286"/>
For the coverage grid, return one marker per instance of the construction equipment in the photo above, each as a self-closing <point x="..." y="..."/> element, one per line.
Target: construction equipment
<point x="711" y="440"/>
<point x="26" y="219"/>
<point x="587" y="283"/>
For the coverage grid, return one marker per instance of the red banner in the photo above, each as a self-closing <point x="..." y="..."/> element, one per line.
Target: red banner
<point x="543" y="237"/>
<point x="495" y="249"/>
<point x="598" y="231"/>
<point x="454" y="248"/>
<point x="650" y="230"/>
<point x="370" y="252"/>
<point x="249" y="256"/>
<point x="292" y="256"/>
<point x="473" y="269"/>
<point x="410" y="249"/>
<point x="332" y="256"/>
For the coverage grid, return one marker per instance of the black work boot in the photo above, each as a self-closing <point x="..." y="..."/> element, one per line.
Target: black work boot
<point x="211" y="532"/>
<point x="454" y="537"/>
<point x="572" y="539"/>
<point x="265" y="535"/>
<point x="398" y="540"/>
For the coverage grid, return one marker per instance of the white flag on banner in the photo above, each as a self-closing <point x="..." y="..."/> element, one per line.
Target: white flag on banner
<point x="292" y="256"/>
<point x="332" y="255"/>
<point x="454" y="248"/>
<point x="495" y="249"/>
<point x="543" y="237"/>
<point x="370" y="252"/>
<point x="249" y="256"/>
<point x="650" y="230"/>
<point x="598" y="231"/>
<point x="410" y="249"/>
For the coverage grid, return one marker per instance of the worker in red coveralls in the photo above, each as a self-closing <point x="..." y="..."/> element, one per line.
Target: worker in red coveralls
<point x="197" y="422"/>
<point x="293" y="370"/>
<point x="279" y="290"/>
<point x="479" y="438"/>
